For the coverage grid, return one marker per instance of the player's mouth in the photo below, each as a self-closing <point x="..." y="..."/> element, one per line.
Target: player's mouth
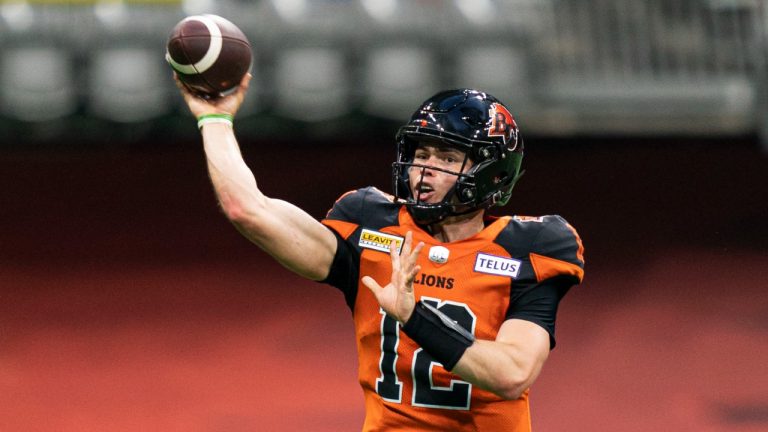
<point x="424" y="192"/>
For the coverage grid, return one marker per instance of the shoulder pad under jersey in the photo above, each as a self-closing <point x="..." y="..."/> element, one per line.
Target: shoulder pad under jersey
<point x="553" y="245"/>
<point x="367" y="206"/>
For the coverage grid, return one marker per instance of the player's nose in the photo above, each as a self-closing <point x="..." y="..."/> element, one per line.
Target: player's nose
<point x="427" y="170"/>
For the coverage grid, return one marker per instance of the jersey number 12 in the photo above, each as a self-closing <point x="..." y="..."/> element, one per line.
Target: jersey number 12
<point x="425" y="393"/>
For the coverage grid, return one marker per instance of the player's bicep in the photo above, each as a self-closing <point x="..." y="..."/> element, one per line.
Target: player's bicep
<point x="531" y="345"/>
<point x="526" y="334"/>
<point x="538" y="303"/>
<point x="293" y="237"/>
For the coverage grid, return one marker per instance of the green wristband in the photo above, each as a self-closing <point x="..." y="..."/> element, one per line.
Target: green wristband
<point x="214" y="118"/>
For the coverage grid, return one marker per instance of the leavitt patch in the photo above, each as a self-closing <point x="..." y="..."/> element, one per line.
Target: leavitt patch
<point x="379" y="241"/>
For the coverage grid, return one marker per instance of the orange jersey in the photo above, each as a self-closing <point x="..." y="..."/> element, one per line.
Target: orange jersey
<point x="474" y="281"/>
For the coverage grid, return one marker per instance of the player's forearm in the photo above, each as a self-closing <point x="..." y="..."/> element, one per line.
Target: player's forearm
<point x="290" y="235"/>
<point x="506" y="366"/>
<point x="501" y="368"/>
<point x="232" y="180"/>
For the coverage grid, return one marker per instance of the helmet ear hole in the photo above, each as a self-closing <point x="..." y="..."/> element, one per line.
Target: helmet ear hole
<point x="484" y="153"/>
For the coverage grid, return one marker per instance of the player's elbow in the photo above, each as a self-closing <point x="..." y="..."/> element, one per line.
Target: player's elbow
<point x="517" y="376"/>
<point x="234" y="212"/>
<point x="237" y="211"/>
<point x="238" y="215"/>
<point x="514" y="393"/>
<point x="512" y="385"/>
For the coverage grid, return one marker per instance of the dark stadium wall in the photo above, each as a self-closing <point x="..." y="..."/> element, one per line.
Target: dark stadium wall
<point x="626" y="197"/>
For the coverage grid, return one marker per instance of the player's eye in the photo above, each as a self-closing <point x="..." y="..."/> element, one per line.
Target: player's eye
<point x="452" y="158"/>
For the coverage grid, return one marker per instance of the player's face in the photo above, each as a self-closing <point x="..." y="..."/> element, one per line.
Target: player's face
<point x="430" y="185"/>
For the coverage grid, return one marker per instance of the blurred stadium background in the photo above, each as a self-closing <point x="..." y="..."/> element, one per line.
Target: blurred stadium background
<point x="128" y="303"/>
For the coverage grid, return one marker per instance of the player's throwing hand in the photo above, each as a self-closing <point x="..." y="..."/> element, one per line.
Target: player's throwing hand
<point x="396" y="298"/>
<point x="229" y="104"/>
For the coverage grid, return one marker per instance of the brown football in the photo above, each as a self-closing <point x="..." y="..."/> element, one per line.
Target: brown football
<point x="209" y="54"/>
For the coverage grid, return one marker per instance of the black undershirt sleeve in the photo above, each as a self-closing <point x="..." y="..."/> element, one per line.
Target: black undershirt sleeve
<point x="538" y="303"/>
<point x="344" y="271"/>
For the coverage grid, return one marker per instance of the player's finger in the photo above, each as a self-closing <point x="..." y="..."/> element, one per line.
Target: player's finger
<point x="407" y="243"/>
<point x="414" y="256"/>
<point x="178" y="83"/>
<point x="371" y="284"/>
<point x="417" y="249"/>
<point x="242" y="88"/>
<point x="246" y="81"/>
<point x="394" y="256"/>
<point x="408" y="286"/>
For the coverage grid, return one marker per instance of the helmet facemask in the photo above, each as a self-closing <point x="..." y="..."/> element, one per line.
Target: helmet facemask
<point x="457" y="200"/>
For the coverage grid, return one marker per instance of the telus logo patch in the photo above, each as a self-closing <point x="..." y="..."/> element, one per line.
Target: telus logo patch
<point x="496" y="265"/>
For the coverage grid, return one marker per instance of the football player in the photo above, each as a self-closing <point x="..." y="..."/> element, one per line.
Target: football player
<point x="454" y="310"/>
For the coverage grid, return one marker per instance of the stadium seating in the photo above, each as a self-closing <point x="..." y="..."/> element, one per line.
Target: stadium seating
<point x="311" y="84"/>
<point x="571" y="66"/>
<point x="128" y="85"/>
<point x="37" y="84"/>
<point x="397" y="79"/>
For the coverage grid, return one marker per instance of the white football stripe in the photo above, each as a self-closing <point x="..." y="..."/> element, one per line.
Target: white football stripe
<point x="214" y="49"/>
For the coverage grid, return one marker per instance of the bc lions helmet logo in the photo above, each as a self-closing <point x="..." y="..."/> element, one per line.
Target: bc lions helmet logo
<point x="502" y="124"/>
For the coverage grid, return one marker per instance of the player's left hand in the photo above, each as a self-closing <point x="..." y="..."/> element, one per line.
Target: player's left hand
<point x="397" y="298"/>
